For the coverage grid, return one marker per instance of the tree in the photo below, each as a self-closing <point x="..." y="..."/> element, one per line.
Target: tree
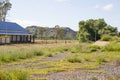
<point x="109" y="30"/>
<point x="40" y="32"/>
<point x="5" y="5"/>
<point x="92" y="30"/>
<point x="82" y="33"/>
<point x="61" y="34"/>
<point x="46" y="32"/>
<point x="56" y="30"/>
<point x="98" y="25"/>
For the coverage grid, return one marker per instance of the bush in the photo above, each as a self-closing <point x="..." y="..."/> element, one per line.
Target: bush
<point x="49" y="55"/>
<point x="14" y="75"/>
<point x="112" y="47"/>
<point x="100" y="60"/>
<point x="106" y="38"/>
<point x="94" y="48"/>
<point x="87" y="59"/>
<point x="39" y="53"/>
<point x="74" y="60"/>
<point x="81" y="49"/>
<point x="76" y="49"/>
<point x="115" y="38"/>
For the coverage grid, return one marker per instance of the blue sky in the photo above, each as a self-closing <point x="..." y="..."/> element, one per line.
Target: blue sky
<point x="65" y="13"/>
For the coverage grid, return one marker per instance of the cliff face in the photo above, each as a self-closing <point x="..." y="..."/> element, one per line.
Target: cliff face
<point x="52" y="33"/>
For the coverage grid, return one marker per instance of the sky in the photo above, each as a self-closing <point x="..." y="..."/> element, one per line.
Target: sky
<point x="65" y="13"/>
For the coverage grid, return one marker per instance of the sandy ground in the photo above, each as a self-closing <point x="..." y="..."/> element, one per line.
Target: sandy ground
<point x="101" y="43"/>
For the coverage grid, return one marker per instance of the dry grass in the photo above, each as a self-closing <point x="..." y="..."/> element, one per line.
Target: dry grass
<point x="88" y="60"/>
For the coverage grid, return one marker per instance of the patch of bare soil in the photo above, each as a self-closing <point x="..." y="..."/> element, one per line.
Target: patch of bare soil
<point x="101" y="43"/>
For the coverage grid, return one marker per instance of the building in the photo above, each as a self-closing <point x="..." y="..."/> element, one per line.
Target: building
<point x="14" y="33"/>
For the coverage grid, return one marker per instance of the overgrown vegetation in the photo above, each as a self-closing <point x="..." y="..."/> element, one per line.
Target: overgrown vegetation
<point x="15" y="74"/>
<point x="74" y="60"/>
<point x="110" y="38"/>
<point x="106" y="38"/>
<point x="72" y="56"/>
<point x="100" y="60"/>
<point x="112" y="47"/>
<point x="14" y="53"/>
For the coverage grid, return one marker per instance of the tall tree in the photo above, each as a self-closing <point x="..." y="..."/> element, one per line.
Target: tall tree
<point x="61" y="34"/>
<point x="56" y="30"/>
<point x="40" y="32"/>
<point x="93" y="30"/>
<point x="5" y="5"/>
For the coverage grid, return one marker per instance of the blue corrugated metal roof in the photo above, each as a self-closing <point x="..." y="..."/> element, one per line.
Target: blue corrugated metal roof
<point x="12" y="29"/>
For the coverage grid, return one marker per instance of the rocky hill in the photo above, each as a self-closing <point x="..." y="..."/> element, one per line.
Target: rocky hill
<point x="52" y="33"/>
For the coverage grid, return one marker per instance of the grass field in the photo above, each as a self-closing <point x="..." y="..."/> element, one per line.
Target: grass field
<point x="36" y="61"/>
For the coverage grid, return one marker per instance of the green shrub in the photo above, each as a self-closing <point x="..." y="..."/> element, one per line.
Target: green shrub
<point x="115" y="38"/>
<point x="49" y="55"/>
<point x="74" y="60"/>
<point x="22" y="56"/>
<point x="13" y="75"/>
<point x="94" y="48"/>
<point x="112" y="47"/>
<point x="87" y="59"/>
<point x="66" y="49"/>
<point x="106" y="38"/>
<point x="100" y="60"/>
<point x="81" y="49"/>
<point x="76" y="49"/>
<point x="38" y="53"/>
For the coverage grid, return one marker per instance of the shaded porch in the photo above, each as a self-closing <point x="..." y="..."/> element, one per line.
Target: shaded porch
<point x="16" y="39"/>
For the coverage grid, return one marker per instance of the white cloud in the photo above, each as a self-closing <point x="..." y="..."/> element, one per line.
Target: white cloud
<point x="25" y="23"/>
<point x="107" y="7"/>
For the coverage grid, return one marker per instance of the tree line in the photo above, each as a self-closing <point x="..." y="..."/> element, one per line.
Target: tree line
<point x="94" y="29"/>
<point x="56" y="32"/>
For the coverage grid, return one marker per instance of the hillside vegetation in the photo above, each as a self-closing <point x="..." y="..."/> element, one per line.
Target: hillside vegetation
<point x="56" y="32"/>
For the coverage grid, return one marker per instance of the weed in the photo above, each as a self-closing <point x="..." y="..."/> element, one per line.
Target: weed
<point x="38" y="53"/>
<point x="87" y="59"/>
<point x="15" y="74"/>
<point x="106" y="38"/>
<point x="93" y="78"/>
<point x="49" y="55"/>
<point x="94" y="48"/>
<point x="100" y="60"/>
<point x="112" y="47"/>
<point x="74" y="60"/>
